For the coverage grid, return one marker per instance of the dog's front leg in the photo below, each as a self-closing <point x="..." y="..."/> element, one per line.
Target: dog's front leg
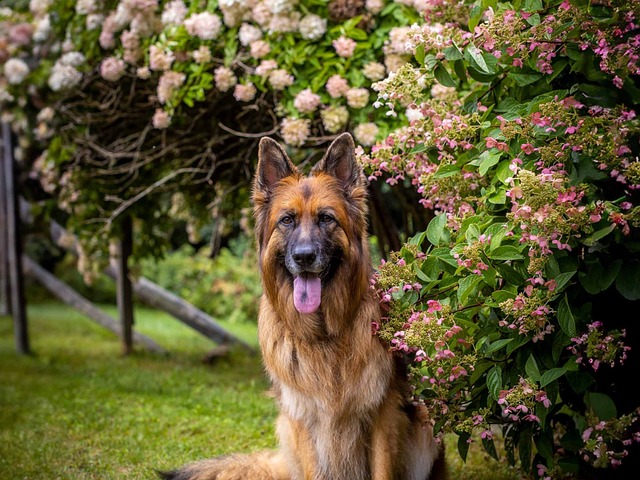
<point x="388" y="439"/>
<point x="297" y="447"/>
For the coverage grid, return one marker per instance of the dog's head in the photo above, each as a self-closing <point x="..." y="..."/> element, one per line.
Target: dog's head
<point x="308" y="227"/>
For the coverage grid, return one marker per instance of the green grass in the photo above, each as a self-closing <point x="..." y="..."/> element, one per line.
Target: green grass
<point x="78" y="409"/>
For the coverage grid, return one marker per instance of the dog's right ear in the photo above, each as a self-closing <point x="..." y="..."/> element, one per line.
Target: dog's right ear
<point x="273" y="164"/>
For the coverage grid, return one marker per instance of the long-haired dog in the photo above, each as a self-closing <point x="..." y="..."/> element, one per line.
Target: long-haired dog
<point x="342" y="395"/>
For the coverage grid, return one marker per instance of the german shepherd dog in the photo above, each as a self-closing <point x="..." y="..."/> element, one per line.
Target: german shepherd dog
<point x="342" y="395"/>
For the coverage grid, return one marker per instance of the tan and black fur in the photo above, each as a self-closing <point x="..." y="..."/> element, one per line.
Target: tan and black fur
<point x="341" y="394"/>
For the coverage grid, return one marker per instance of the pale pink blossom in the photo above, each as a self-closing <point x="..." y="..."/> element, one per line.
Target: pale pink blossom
<point x="357" y="97"/>
<point x="295" y="131"/>
<point x="337" y="86"/>
<point x="161" y="119"/>
<point x="344" y="46"/>
<point x="159" y="58"/>
<point x="244" y="92"/>
<point x="202" y="54"/>
<point x="224" y="78"/>
<point x="248" y="33"/>
<point x="205" y="25"/>
<point x="112" y="69"/>
<point x="15" y="71"/>
<point x="280" y="79"/>
<point x="174" y="13"/>
<point x="168" y="83"/>
<point x="306" y="101"/>
<point x="259" y="49"/>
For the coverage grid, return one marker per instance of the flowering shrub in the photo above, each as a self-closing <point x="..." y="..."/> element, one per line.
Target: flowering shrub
<point x="522" y="141"/>
<point x="125" y="102"/>
<point x="513" y="123"/>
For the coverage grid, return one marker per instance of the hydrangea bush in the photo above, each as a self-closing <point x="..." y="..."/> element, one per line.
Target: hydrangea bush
<point x="524" y="144"/>
<point x="131" y="101"/>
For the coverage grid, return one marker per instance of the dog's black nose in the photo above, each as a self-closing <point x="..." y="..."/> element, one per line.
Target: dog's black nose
<point x="304" y="255"/>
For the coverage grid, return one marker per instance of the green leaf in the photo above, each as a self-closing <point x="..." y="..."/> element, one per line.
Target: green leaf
<point x="628" y="280"/>
<point x="524" y="450"/>
<point x="551" y="375"/>
<point x="599" y="234"/>
<point x="563" y="279"/>
<point x="494" y="382"/>
<point x="443" y="76"/>
<point x="463" y="445"/>
<point x="436" y="230"/>
<point x="446" y="171"/>
<point x="420" y="54"/>
<point x="602" y="405"/>
<point x="565" y="318"/>
<point x="531" y="367"/>
<point x="598" y="278"/>
<point x="505" y="252"/>
<point x="498" y="344"/>
<point x="524" y="79"/>
<point x="490" y="447"/>
<point x="453" y="53"/>
<point x="487" y="160"/>
<point x="466" y="287"/>
<point x="477" y="59"/>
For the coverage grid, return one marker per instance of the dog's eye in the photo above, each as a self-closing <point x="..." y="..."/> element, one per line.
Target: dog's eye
<point x="287" y="220"/>
<point x="324" y="218"/>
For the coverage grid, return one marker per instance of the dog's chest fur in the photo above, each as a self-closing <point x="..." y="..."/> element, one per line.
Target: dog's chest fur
<point x="331" y="388"/>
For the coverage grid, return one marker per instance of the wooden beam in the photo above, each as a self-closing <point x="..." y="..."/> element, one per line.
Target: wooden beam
<point x="124" y="290"/>
<point x="14" y="250"/>
<point x="5" y="297"/>
<point x="69" y="296"/>
<point x="155" y="296"/>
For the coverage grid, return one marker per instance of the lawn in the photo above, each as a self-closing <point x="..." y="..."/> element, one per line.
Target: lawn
<point x="78" y="409"/>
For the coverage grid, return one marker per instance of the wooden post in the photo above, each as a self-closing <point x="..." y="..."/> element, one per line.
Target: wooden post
<point x="69" y="296"/>
<point x="123" y="285"/>
<point x="5" y="302"/>
<point x="14" y="246"/>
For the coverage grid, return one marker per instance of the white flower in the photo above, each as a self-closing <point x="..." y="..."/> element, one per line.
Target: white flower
<point x="306" y="101"/>
<point x="159" y="59"/>
<point x="15" y="71"/>
<point x="249" y="33"/>
<point x="295" y="131"/>
<point x="85" y="7"/>
<point x="202" y="55"/>
<point x="174" y="13"/>
<point x="63" y="77"/>
<point x="374" y="6"/>
<point x="94" y="21"/>
<point x="224" y="78"/>
<point x="73" y="59"/>
<point x="357" y="97"/>
<point x="280" y="79"/>
<point x="39" y="7"/>
<point x="161" y="119"/>
<point x="204" y="25"/>
<point x="112" y="69"/>
<point x="312" y="27"/>
<point x="334" y="118"/>
<point x="244" y="93"/>
<point x="366" y="133"/>
<point x="374" y="71"/>
<point x="281" y="6"/>
<point x="43" y="29"/>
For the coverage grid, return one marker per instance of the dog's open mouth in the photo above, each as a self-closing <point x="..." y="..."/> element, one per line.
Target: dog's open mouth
<point x="307" y="290"/>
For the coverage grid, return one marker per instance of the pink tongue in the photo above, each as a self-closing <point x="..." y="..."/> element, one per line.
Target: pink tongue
<point x="306" y="292"/>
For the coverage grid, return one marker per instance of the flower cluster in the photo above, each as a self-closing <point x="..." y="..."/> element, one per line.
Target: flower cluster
<point x="519" y="402"/>
<point x="595" y="348"/>
<point x="153" y="40"/>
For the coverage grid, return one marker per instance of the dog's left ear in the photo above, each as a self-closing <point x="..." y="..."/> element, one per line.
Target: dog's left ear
<point x="340" y="161"/>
